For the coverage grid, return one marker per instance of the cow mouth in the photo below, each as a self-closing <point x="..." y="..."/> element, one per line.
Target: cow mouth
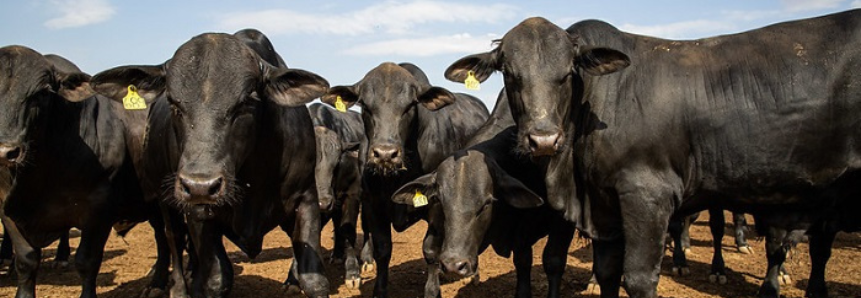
<point x="461" y="268"/>
<point x="387" y="168"/>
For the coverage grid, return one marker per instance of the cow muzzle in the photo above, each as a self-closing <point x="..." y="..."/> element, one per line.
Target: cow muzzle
<point x="460" y="266"/>
<point x="386" y="158"/>
<point x="11" y="154"/>
<point x="200" y="189"/>
<point x="544" y="144"/>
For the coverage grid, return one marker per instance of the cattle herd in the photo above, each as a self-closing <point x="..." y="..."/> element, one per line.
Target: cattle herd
<point x="619" y="136"/>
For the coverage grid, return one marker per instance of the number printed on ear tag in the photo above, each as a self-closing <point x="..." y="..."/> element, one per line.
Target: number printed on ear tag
<point x="419" y="199"/>
<point x="471" y="82"/>
<point x="340" y="105"/>
<point x="133" y="100"/>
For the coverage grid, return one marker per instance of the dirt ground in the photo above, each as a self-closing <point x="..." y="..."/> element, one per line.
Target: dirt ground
<point x="128" y="260"/>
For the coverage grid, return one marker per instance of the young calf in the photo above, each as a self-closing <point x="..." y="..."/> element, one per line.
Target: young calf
<point x="482" y="199"/>
<point x="339" y="183"/>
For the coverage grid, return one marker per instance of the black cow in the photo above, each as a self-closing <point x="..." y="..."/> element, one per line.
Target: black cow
<point x="228" y="148"/>
<point x="487" y="195"/>
<point x="756" y="122"/>
<point x="54" y="131"/>
<point x="411" y="126"/>
<point x="339" y="183"/>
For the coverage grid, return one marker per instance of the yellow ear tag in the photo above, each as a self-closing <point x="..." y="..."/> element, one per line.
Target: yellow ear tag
<point x="133" y="101"/>
<point x="471" y="82"/>
<point x="340" y="105"/>
<point x="419" y="199"/>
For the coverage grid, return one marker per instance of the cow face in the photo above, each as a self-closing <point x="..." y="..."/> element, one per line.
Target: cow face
<point x="217" y="88"/>
<point x="542" y="68"/>
<point x="30" y="83"/>
<point x="388" y="95"/>
<point x="333" y="158"/>
<point x="467" y="187"/>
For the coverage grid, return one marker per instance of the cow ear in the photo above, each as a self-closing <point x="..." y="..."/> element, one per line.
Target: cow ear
<point x="407" y="193"/>
<point x="346" y="93"/>
<point x="512" y="191"/>
<point x="601" y="61"/>
<point x="482" y="65"/>
<point x="74" y="87"/>
<point x="435" y="98"/>
<point x="114" y="83"/>
<point x="294" y="87"/>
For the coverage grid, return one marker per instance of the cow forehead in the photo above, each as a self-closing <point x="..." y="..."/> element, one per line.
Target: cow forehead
<point x="22" y="71"/>
<point x="465" y="178"/>
<point x="210" y="67"/>
<point x="388" y="84"/>
<point x="537" y="43"/>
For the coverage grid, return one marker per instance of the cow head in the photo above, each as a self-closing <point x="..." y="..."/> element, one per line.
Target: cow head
<point x="542" y="67"/>
<point x="30" y="83"/>
<point x="218" y="89"/>
<point x="388" y="95"/>
<point x="467" y="186"/>
<point x="333" y="157"/>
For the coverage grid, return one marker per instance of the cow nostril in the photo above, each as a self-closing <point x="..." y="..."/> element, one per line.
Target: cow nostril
<point x="395" y="154"/>
<point x="462" y="267"/>
<point x="184" y="187"/>
<point x="376" y="153"/>
<point x="215" y="186"/>
<point x="13" y="154"/>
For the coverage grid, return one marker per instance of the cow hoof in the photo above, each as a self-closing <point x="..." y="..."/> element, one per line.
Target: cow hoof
<point x="681" y="271"/>
<point x="368" y="267"/>
<point x="152" y="293"/>
<point x="353" y="283"/>
<point x="717" y="278"/>
<point x="784" y="279"/>
<point x="688" y="251"/>
<point x="592" y="289"/>
<point x="745" y="250"/>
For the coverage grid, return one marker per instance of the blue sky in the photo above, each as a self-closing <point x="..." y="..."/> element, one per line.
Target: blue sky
<point x="341" y="40"/>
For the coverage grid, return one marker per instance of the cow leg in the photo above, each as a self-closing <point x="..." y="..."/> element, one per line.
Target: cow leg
<point x="381" y="237"/>
<point x="174" y="232"/>
<point x="346" y="224"/>
<point x="306" y="248"/>
<point x="5" y="252"/>
<point x="555" y="256"/>
<point x="820" y="252"/>
<point x="161" y="269"/>
<point x="740" y="224"/>
<point x="367" y="254"/>
<point x="645" y="212"/>
<point x="213" y="276"/>
<point x="431" y="247"/>
<point x="607" y="266"/>
<point x="776" y="254"/>
<point x="717" y="224"/>
<point x="27" y="260"/>
<point x="523" y="267"/>
<point x="677" y="228"/>
<point x="88" y="257"/>
<point x="61" y="260"/>
<point x="686" y="235"/>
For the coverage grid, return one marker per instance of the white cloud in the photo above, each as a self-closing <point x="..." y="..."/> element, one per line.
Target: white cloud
<point x="856" y="4"/>
<point x="423" y="47"/>
<point x="77" y="13"/>
<point x="804" y="5"/>
<point x="687" y="29"/>
<point x="390" y="17"/>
